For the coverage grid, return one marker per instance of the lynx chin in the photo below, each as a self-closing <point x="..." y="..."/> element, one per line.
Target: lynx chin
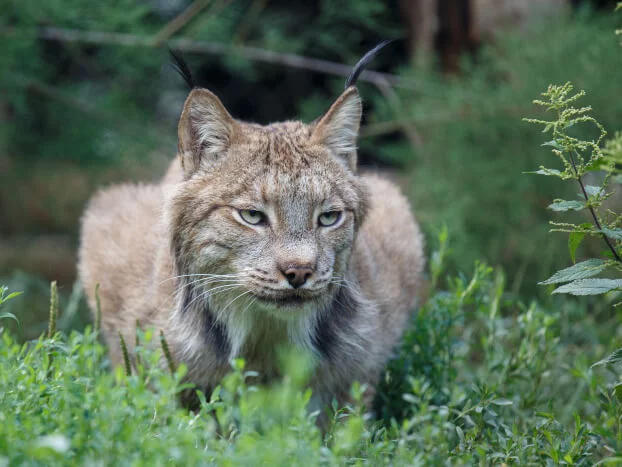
<point x="259" y="237"/>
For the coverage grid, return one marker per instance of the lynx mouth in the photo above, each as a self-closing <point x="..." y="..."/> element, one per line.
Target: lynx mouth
<point x="285" y="301"/>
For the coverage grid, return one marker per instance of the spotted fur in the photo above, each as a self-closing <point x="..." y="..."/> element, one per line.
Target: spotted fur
<point x="178" y="256"/>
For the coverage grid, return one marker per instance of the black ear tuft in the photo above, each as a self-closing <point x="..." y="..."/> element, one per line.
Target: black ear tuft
<point x="181" y="67"/>
<point x="363" y="62"/>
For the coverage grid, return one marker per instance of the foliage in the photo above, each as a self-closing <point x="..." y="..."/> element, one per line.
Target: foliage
<point x="463" y="173"/>
<point x="120" y="105"/>
<point x="32" y="306"/>
<point x="5" y="297"/>
<point x="580" y="157"/>
<point x="479" y="378"/>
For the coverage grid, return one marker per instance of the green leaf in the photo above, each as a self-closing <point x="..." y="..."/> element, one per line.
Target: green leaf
<point x="545" y="171"/>
<point x="609" y="460"/>
<point x="567" y="206"/>
<point x="502" y="402"/>
<point x="3" y="299"/>
<point x="10" y="316"/>
<point x="616" y="234"/>
<point x="615" y="357"/>
<point x="617" y="390"/>
<point x="590" y="286"/>
<point x="12" y="295"/>
<point x="581" y="270"/>
<point x="574" y="240"/>
<point x="554" y="144"/>
<point x="460" y="433"/>
<point x="592" y="190"/>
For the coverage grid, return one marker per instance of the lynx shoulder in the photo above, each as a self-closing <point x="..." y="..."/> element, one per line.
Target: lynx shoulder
<point x="258" y="237"/>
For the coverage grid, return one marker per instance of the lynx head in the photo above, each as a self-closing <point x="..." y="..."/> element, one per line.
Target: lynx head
<point x="267" y="214"/>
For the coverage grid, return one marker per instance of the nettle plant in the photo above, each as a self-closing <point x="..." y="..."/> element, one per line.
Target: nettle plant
<point x="580" y="157"/>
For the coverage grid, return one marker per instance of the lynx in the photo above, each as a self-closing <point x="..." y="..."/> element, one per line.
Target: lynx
<point x="256" y="238"/>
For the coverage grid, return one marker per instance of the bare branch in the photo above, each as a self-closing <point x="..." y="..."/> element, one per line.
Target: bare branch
<point x="250" y="18"/>
<point x="179" y="21"/>
<point x="591" y="209"/>
<point x="409" y="128"/>
<point x="212" y="48"/>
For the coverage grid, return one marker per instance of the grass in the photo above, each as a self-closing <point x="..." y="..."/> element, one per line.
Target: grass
<point x="480" y="377"/>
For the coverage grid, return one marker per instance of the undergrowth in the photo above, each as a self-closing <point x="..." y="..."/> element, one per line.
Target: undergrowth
<point x="479" y="378"/>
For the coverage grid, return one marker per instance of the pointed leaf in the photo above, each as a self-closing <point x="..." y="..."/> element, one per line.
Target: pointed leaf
<point x="615" y="357"/>
<point x="581" y="270"/>
<point x="616" y="234"/>
<point x="502" y="402"/>
<point x="12" y="295"/>
<point x="592" y="190"/>
<point x="554" y="144"/>
<point x="10" y="316"/>
<point x="609" y="461"/>
<point x="590" y="286"/>
<point x="545" y="171"/>
<point x="567" y="206"/>
<point x="574" y="240"/>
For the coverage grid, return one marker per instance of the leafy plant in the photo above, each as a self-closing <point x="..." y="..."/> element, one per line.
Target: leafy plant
<point x="580" y="157"/>
<point x="4" y="297"/>
<point x="480" y="378"/>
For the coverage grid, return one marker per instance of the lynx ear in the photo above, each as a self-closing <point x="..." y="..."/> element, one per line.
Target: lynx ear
<point x="338" y="128"/>
<point x="205" y="130"/>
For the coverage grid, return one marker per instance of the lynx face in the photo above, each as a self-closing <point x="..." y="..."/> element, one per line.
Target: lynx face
<point x="267" y="216"/>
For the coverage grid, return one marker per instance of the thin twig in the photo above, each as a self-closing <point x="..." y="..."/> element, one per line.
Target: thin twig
<point x="167" y="353"/>
<point x="126" y="127"/>
<point x="52" y="325"/>
<point x="87" y="108"/>
<point x="587" y="200"/>
<point x="136" y="347"/>
<point x="390" y="126"/>
<point x="213" y="48"/>
<point x="407" y="126"/>
<point x="98" y="310"/>
<point x="53" y="309"/>
<point x="126" y="355"/>
<point x="250" y="18"/>
<point x="179" y="21"/>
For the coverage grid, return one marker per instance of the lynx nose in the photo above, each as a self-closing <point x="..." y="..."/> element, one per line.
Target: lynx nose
<point x="297" y="275"/>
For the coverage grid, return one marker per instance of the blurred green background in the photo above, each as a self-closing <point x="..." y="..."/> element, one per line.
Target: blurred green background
<point x="88" y="98"/>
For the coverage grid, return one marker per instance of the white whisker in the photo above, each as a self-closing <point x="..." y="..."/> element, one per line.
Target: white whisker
<point x="249" y="304"/>
<point x="227" y="305"/>
<point x="214" y="291"/>
<point x="201" y="282"/>
<point x="240" y="275"/>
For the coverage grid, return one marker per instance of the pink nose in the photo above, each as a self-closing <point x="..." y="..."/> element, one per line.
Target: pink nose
<point x="297" y="275"/>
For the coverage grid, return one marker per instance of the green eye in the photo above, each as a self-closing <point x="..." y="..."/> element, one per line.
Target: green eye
<point x="252" y="217"/>
<point x="326" y="219"/>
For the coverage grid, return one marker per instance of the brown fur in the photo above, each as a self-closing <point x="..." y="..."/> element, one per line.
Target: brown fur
<point x="147" y="244"/>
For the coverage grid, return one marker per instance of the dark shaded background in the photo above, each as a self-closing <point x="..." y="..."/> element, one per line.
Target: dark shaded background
<point x="88" y="98"/>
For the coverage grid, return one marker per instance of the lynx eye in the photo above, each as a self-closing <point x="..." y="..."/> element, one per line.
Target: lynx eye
<point x="326" y="219"/>
<point x="252" y="217"/>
